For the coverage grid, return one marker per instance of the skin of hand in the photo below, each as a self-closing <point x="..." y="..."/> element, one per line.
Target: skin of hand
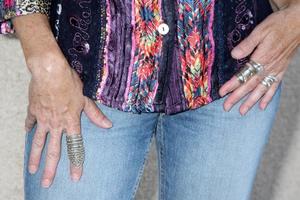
<point x="272" y="43"/>
<point x="56" y="99"/>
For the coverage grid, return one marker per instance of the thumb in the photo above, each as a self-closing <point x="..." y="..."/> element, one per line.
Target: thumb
<point x="95" y="114"/>
<point x="247" y="46"/>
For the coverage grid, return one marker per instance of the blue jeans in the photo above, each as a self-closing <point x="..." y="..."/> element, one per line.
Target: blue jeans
<point x="203" y="154"/>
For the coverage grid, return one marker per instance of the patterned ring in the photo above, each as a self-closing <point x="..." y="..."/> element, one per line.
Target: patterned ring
<point x="269" y="80"/>
<point x="75" y="149"/>
<point x="246" y="73"/>
<point x="259" y="67"/>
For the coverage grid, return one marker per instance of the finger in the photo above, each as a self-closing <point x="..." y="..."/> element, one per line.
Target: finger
<point x="270" y="93"/>
<point x="241" y="91"/>
<point x="74" y="127"/>
<point x="259" y="57"/>
<point x="37" y="146"/>
<point x="261" y="90"/>
<point x="254" y="97"/>
<point x="247" y="46"/>
<point x="229" y="86"/>
<point x="234" y="83"/>
<point x="52" y="157"/>
<point x="95" y="114"/>
<point x="29" y="121"/>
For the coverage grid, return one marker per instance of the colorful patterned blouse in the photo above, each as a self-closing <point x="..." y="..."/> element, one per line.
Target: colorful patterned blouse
<point x="148" y="55"/>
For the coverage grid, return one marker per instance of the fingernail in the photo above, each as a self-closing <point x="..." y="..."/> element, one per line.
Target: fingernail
<point x="244" y="110"/>
<point x="243" y="113"/>
<point x="222" y="92"/>
<point x="46" y="183"/>
<point x="107" y="123"/>
<point x="75" y="177"/>
<point x="227" y="108"/>
<point x="32" y="169"/>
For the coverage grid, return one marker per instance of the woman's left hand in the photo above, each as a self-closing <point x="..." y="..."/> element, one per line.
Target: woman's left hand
<point x="272" y="43"/>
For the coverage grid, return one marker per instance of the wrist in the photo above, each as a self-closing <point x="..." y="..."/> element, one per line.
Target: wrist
<point x="42" y="53"/>
<point x="48" y="64"/>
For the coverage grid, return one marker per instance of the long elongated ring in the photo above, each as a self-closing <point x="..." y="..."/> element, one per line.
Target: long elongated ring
<point x="269" y="80"/>
<point x="75" y="149"/>
<point x="250" y="69"/>
<point x="259" y="67"/>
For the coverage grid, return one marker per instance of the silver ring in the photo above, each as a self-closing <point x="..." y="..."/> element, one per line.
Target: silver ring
<point x="250" y="69"/>
<point x="75" y="149"/>
<point x="246" y="73"/>
<point x="269" y="80"/>
<point x="259" y="67"/>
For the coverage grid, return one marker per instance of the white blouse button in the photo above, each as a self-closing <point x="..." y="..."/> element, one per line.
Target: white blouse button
<point x="163" y="29"/>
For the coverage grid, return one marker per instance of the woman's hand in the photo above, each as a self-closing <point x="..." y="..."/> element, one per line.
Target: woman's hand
<point x="55" y="96"/>
<point x="272" y="44"/>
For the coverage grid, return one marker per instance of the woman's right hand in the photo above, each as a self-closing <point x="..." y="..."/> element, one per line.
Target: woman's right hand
<point x="56" y="98"/>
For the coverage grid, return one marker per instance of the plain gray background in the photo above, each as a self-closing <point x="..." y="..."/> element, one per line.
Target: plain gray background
<point x="278" y="177"/>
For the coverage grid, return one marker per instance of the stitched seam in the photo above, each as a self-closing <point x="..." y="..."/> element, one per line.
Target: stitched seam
<point x="141" y="169"/>
<point x="162" y="168"/>
<point x="160" y="161"/>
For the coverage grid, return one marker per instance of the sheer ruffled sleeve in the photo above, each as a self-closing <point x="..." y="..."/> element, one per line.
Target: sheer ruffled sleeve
<point x="13" y="8"/>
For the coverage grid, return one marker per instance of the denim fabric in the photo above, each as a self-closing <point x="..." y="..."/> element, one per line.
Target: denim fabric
<point x="203" y="154"/>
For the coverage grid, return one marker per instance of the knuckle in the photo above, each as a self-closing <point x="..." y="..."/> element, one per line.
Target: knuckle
<point x="53" y="155"/>
<point x="70" y="120"/>
<point x="54" y="124"/>
<point x="30" y="109"/>
<point x="249" y="103"/>
<point x="264" y="101"/>
<point x="38" y="144"/>
<point x="272" y="91"/>
<point x="49" y="173"/>
<point x="74" y="123"/>
<point x="259" y="30"/>
<point x="33" y="161"/>
<point x="94" y="114"/>
<point x="39" y="135"/>
<point x="251" y="40"/>
<point x="230" y="100"/>
<point x="255" y="81"/>
<point x="55" y="135"/>
<point x="42" y="119"/>
<point x="101" y="116"/>
<point x="244" y="47"/>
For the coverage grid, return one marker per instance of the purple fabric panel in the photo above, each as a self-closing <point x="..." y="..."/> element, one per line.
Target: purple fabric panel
<point x="119" y="50"/>
<point x="169" y="97"/>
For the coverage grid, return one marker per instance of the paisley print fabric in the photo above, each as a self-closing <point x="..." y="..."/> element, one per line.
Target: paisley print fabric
<point x="125" y="62"/>
<point x="12" y="8"/>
